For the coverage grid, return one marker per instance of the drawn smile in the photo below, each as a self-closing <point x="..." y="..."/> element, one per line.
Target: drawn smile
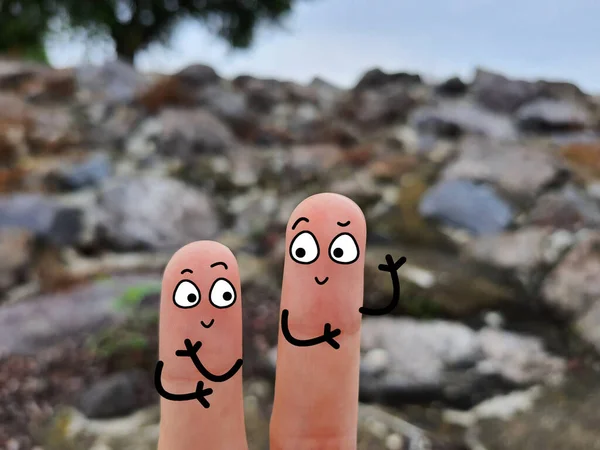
<point x="321" y="283"/>
<point x="209" y="324"/>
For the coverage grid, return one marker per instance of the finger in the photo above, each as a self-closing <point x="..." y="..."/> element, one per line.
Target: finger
<point x="316" y="388"/>
<point x="199" y="412"/>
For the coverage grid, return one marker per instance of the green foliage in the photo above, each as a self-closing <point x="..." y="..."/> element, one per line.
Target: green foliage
<point x="132" y="297"/>
<point x="23" y="25"/>
<point x="134" y="24"/>
<point x="138" y="331"/>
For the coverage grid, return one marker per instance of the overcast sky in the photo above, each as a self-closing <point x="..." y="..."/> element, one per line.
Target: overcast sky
<point x="340" y="39"/>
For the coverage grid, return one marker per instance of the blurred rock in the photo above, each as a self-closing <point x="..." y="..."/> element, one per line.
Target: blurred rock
<point x="327" y="94"/>
<point x="463" y="204"/>
<point x="230" y="106"/>
<point x="423" y="359"/>
<point x="560" y="418"/>
<point x="53" y="130"/>
<point x="89" y="173"/>
<point x="376" y="107"/>
<point x="15" y="124"/>
<point x="522" y="171"/>
<point x="526" y="252"/>
<point x="452" y="87"/>
<point x="434" y="285"/>
<point x="198" y="75"/>
<point x="584" y="159"/>
<point x="573" y="288"/>
<point x="454" y="118"/>
<point x="520" y="359"/>
<point x="568" y="208"/>
<point x="15" y="256"/>
<point x="545" y="115"/>
<point x="31" y="212"/>
<point x="40" y="322"/>
<point x="117" y="395"/>
<point x="376" y="78"/>
<point x="182" y="133"/>
<point x="154" y="213"/>
<point x="113" y="82"/>
<point x="500" y="93"/>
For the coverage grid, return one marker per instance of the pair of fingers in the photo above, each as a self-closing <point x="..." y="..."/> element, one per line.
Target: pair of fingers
<point x="316" y="391"/>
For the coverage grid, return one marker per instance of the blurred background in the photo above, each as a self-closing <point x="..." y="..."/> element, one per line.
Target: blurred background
<point x="467" y="130"/>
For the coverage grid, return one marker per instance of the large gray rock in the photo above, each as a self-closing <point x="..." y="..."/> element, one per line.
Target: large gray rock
<point x="408" y="356"/>
<point x="464" y="204"/>
<point x="550" y="115"/>
<point x="182" y="133"/>
<point x="499" y="93"/>
<point x="453" y="118"/>
<point x="154" y="213"/>
<point x="40" y="322"/>
<point x="42" y="216"/>
<point x="113" y="82"/>
<point x="573" y="288"/>
<point x="518" y="170"/>
<point x="118" y="395"/>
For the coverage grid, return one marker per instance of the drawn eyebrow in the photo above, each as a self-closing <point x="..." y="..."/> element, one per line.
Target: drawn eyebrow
<point x="220" y="263"/>
<point x="343" y="224"/>
<point x="186" y="270"/>
<point x="301" y="219"/>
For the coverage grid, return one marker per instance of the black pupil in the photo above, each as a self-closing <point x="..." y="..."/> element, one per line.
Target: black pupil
<point x="227" y="296"/>
<point x="300" y="253"/>
<point x="191" y="298"/>
<point x="338" y="252"/>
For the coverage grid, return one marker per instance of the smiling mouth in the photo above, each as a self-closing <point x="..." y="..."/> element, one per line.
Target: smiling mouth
<point x="321" y="283"/>
<point x="209" y="324"/>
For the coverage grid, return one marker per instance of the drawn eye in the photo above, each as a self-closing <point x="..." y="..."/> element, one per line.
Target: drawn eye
<point x="222" y="293"/>
<point x="186" y="294"/>
<point x="304" y="249"/>
<point x="343" y="249"/>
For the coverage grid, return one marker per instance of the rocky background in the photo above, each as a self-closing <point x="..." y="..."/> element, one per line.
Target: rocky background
<point x="491" y="189"/>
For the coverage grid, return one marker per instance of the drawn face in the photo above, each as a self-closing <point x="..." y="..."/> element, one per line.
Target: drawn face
<point x="325" y="240"/>
<point x="200" y="301"/>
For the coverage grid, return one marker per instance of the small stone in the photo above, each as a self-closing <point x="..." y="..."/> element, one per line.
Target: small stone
<point x="15" y="256"/>
<point x="568" y="209"/>
<point x="377" y="428"/>
<point x="375" y="361"/>
<point x="394" y="442"/>
<point x="494" y="319"/>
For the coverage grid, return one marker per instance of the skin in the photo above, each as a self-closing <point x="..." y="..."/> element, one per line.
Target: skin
<point x="188" y="425"/>
<point x="320" y="377"/>
<point x="316" y="389"/>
